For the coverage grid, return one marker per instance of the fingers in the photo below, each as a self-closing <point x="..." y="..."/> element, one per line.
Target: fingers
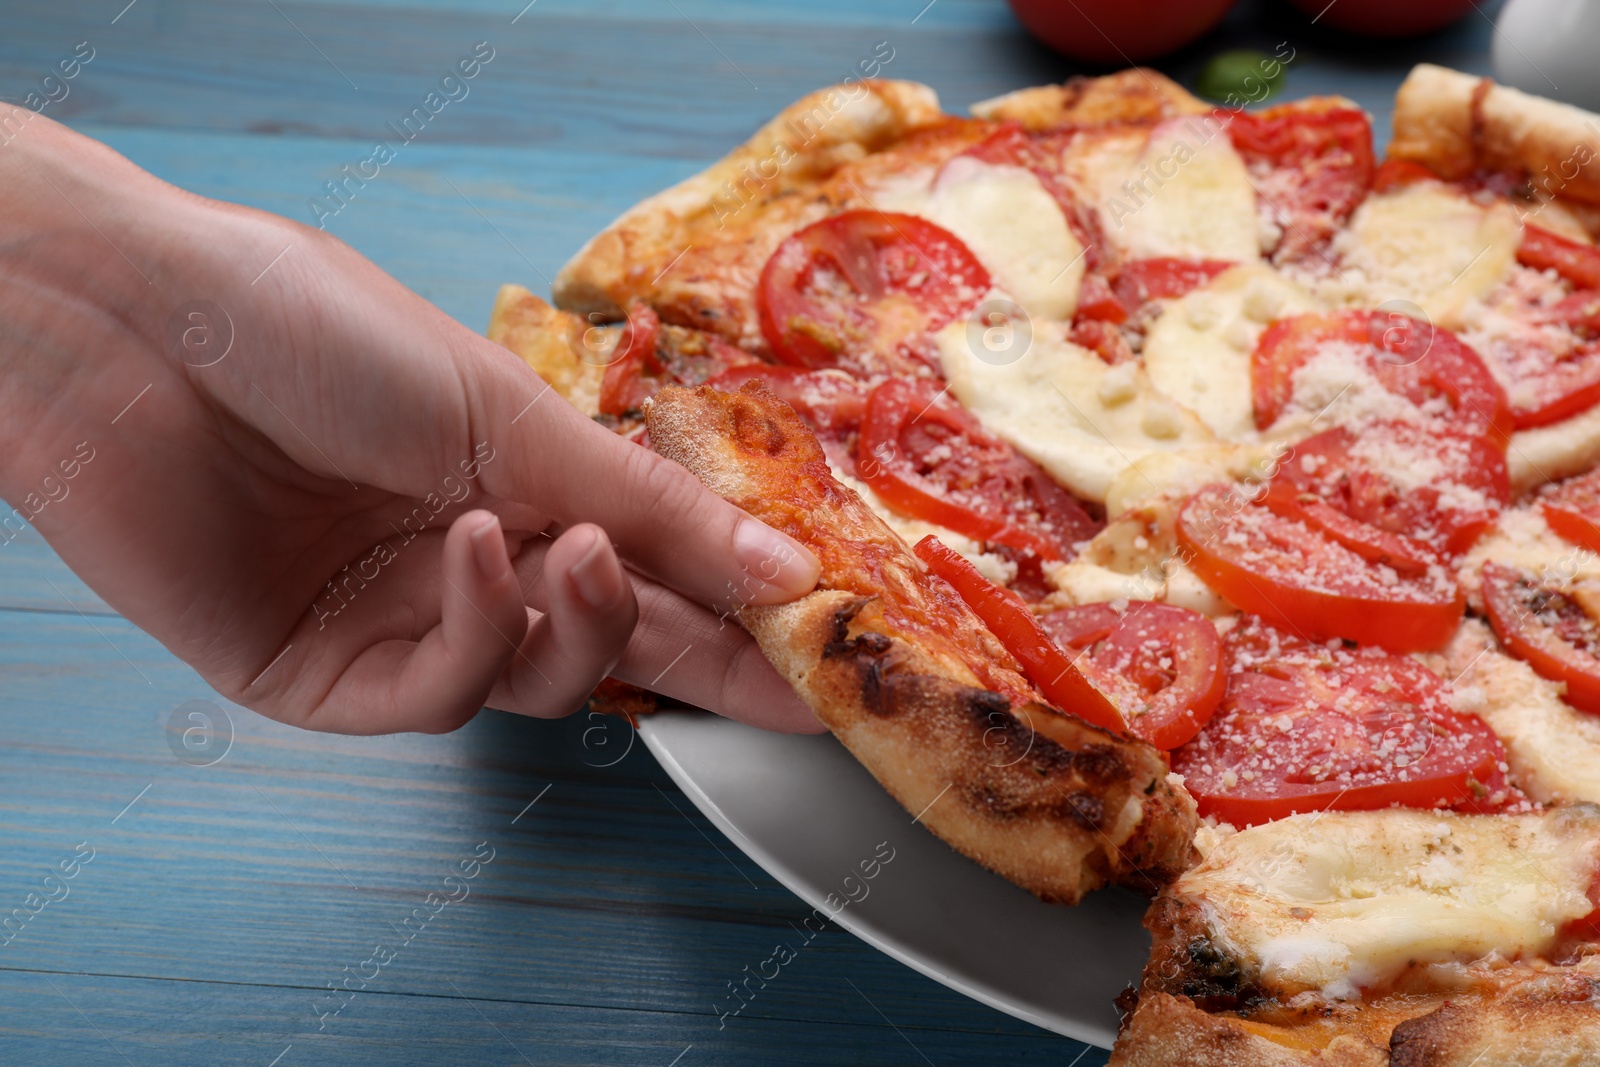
<point x="447" y="634"/>
<point x="437" y="635"/>
<point x="589" y="615"/>
<point x="681" y="650"/>
<point x="439" y="682"/>
<point x="661" y="518"/>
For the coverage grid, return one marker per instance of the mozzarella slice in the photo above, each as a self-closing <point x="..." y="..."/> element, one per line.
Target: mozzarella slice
<point x="1556" y="451"/>
<point x="1064" y="408"/>
<point x="1428" y="245"/>
<point x="1553" y="749"/>
<point x="1008" y="220"/>
<point x="1198" y="350"/>
<point x="1186" y="193"/>
<point x="1176" y="475"/>
<point x="1341" y="902"/>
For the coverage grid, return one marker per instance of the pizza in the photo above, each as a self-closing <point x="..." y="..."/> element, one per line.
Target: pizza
<point x="1205" y="506"/>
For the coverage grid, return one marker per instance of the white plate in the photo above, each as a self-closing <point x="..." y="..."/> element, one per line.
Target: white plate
<point x="808" y="813"/>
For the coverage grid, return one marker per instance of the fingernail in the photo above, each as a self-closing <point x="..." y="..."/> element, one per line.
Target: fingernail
<point x="598" y="576"/>
<point x="776" y="567"/>
<point x="489" y="550"/>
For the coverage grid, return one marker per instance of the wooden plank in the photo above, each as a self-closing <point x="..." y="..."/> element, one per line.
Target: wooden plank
<point x="968" y="14"/>
<point x="94" y="1020"/>
<point x="33" y="578"/>
<point x="647" y="82"/>
<point x="294" y="854"/>
<point x="451" y="222"/>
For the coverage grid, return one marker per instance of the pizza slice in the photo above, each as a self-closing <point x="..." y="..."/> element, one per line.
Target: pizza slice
<point x="903" y="672"/>
<point x="1393" y="937"/>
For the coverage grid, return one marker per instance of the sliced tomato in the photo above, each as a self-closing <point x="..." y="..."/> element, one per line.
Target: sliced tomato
<point x="1008" y="618"/>
<point x="1552" y="384"/>
<point x="1404" y="554"/>
<point x="1425" y="364"/>
<point x="1546" y="628"/>
<point x="622" y="389"/>
<point x="928" y="458"/>
<point x="1579" y="313"/>
<point x="1161" y="664"/>
<point x="1573" y="510"/>
<point x="1140" y="281"/>
<point x="1104" y="339"/>
<point x="1308" y="727"/>
<point x="1394" y="493"/>
<point x="1098" y="302"/>
<point x="865" y="290"/>
<point x="1311" y="168"/>
<point x="1396" y="173"/>
<point x="1577" y="262"/>
<point x="1299" y="579"/>
<point x="650" y="355"/>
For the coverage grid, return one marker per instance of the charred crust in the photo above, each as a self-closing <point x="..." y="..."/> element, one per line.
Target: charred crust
<point x="1101" y="765"/>
<point x="870" y="645"/>
<point x="841" y="624"/>
<point x="1186" y="960"/>
<point x="1127" y="1003"/>
<point x="1087" y="809"/>
<point x="1213" y="978"/>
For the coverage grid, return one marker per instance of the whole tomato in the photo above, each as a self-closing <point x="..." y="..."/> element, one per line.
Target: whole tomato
<point x="1119" y="31"/>
<point x="1385" y="18"/>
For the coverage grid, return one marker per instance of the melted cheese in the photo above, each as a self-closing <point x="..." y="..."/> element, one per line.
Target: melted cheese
<point x="1135" y="558"/>
<point x="1521" y="538"/>
<point x="1008" y="220"/>
<point x="1553" y="749"/>
<point x="1175" y="475"/>
<point x="1556" y="451"/>
<point x="1065" y="409"/>
<point x="1186" y="193"/>
<point x="1428" y="245"/>
<point x="996" y="568"/>
<point x="1342" y="902"/>
<point x="1198" y="350"/>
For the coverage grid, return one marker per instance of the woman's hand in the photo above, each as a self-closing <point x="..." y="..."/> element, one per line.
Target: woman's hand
<point x="344" y="509"/>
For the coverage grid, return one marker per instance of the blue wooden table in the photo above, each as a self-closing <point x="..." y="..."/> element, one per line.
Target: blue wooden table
<point x="223" y="904"/>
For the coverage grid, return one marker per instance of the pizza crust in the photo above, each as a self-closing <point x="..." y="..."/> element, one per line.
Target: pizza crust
<point x="554" y="343"/>
<point x="1049" y="802"/>
<point x="1165" y="1030"/>
<point x="804" y="145"/>
<point x="1137" y="94"/>
<point x="1548" y="1021"/>
<point x="1456" y="124"/>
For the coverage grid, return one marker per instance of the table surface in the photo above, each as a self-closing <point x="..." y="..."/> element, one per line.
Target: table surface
<point x="222" y="902"/>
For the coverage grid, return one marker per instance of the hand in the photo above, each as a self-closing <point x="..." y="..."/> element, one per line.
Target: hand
<point x="345" y="510"/>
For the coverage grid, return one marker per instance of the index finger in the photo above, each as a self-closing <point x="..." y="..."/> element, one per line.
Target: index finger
<point x="659" y="516"/>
